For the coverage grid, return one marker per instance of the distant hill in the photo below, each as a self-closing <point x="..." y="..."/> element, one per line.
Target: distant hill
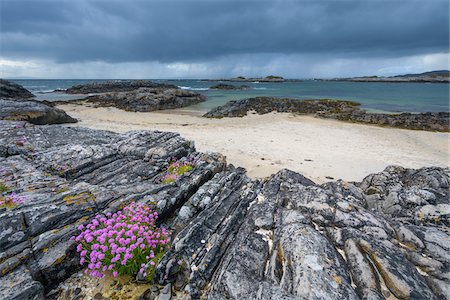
<point x="439" y="76"/>
<point x="438" y="73"/>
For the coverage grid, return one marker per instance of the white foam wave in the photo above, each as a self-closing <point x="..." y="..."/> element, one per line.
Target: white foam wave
<point x="192" y="89"/>
<point x="44" y="91"/>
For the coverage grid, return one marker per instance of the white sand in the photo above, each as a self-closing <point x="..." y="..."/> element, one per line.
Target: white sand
<point x="264" y="144"/>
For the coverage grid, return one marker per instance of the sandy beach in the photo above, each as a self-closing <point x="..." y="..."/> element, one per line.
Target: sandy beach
<point x="322" y="150"/>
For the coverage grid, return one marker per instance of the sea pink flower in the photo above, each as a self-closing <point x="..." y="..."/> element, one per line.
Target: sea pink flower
<point x="120" y="242"/>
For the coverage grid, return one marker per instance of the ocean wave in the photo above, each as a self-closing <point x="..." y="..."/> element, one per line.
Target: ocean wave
<point x="44" y="91"/>
<point x="192" y="89"/>
<point x="260" y="88"/>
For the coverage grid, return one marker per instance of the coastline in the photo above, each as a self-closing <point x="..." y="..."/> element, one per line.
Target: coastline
<point x="257" y="142"/>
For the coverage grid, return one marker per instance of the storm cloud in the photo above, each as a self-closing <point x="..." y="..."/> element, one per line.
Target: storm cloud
<point x="220" y="38"/>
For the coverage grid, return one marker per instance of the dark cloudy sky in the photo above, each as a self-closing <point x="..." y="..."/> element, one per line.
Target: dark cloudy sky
<point x="218" y="38"/>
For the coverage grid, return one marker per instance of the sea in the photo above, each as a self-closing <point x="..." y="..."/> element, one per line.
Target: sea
<point x="374" y="97"/>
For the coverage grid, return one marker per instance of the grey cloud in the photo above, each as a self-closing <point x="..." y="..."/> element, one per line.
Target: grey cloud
<point x="167" y="31"/>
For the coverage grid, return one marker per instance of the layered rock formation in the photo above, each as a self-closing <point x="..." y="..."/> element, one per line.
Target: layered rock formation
<point x="11" y="90"/>
<point x="147" y="99"/>
<point x="280" y="238"/>
<point x="333" y="109"/>
<point x="116" y="86"/>
<point x="66" y="176"/>
<point x="34" y="112"/>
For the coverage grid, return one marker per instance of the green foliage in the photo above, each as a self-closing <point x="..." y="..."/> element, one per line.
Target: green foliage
<point x="3" y="188"/>
<point x="176" y="169"/>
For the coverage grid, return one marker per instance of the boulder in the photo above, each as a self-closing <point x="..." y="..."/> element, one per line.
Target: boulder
<point x="34" y="112"/>
<point x="12" y="90"/>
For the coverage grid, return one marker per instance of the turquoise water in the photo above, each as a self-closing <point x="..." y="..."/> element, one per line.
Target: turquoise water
<point x="389" y="97"/>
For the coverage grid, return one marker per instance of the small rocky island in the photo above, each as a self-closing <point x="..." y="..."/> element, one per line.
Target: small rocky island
<point x="147" y="99"/>
<point x="283" y="237"/>
<point x="135" y="95"/>
<point x="223" y="86"/>
<point x="332" y="109"/>
<point x="116" y="86"/>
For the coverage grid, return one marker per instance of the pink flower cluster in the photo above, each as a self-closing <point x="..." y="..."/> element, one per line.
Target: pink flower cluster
<point x="12" y="200"/>
<point x="121" y="243"/>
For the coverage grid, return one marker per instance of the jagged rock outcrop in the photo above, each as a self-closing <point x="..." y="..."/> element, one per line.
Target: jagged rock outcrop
<point x="264" y="105"/>
<point x="222" y="86"/>
<point x="116" y="86"/>
<point x="333" y="109"/>
<point x="66" y="176"/>
<point x="34" y="112"/>
<point x="431" y="121"/>
<point x="280" y="238"/>
<point x="12" y="90"/>
<point x="299" y="240"/>
<point x="148" y="99"/>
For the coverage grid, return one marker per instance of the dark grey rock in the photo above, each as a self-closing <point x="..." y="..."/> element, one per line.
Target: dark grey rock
<point x="12" y="90"/>
<point x="166" y="292"/>
<point x="147" y="99"/>
<point x="147" y="295"/>
<point x="34" y="112"/>
<point x="264" y="105"/>
<point x="233" y="238"/>
<point x="116" y="86"/>
<point x="19" y="284"/>
<point x="399" y="275"/>
<point x="222" y="86"/>
<point x="333" y="109"/>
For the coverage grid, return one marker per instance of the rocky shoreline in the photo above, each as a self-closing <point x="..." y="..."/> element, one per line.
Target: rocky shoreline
<point x="147" y="96"/>
<point x="284" y="237"/>
<point x="333" y="109"/>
